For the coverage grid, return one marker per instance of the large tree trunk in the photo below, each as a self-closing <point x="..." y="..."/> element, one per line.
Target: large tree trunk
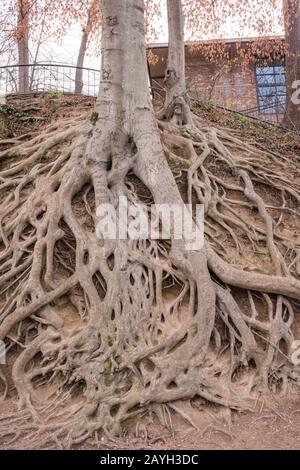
<point x="176" y="103"/>
<point x="23" y="45"/>
<point x="125" y="137"/>
<point x="292" y="33"/>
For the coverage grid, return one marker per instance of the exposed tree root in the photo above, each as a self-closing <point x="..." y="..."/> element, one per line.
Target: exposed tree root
<point x="153" y="324"/>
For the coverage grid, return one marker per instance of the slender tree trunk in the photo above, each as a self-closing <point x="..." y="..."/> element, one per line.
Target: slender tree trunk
<point x="176" y="104"/>
<point x="292" y="33"/>
<point x="23" y="45"/>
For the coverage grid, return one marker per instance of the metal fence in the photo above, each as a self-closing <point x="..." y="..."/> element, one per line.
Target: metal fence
<point x="47" y="77"/>
<point x="61" y="78"/>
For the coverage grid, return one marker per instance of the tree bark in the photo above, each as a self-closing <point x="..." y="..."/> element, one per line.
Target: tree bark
<point x="80" y="62"/>
<point x="292" y="32"/>
<point x="23" y="45"/>
<point x="124" y="70"/>
<point x="176" y="104"/>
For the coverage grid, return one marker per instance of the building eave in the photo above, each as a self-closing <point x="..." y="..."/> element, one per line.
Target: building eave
<point x="162" y="45"/>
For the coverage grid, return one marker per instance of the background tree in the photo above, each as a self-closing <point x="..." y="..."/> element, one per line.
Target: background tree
<point x="31" y="23"/>
<point x="152" y="321"/>
<point x="93" y="21"/>
<point x="264" y="19"/>
<point x="176" y="106"/>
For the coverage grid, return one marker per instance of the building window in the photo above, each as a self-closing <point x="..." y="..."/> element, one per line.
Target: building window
<point x="271" y="88"/>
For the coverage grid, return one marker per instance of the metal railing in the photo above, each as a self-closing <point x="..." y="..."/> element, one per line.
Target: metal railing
<point x="253" y="114"/>
<point x="48" y="77"/>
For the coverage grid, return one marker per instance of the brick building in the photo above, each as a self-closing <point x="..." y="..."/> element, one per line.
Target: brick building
<point x="257" y="88"/>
